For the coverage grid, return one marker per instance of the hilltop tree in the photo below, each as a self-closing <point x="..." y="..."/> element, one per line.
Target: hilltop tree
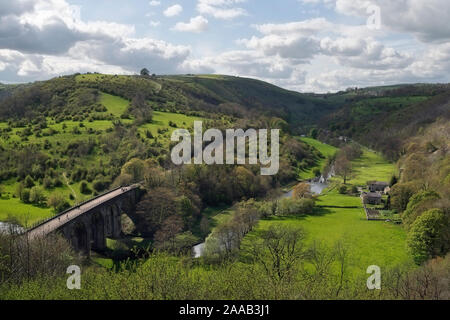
<point x="145" y="72"/>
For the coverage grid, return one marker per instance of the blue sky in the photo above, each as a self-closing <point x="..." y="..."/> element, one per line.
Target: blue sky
<point x="303" y="45"/>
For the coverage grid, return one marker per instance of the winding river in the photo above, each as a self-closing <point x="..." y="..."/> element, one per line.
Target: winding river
<point x="317" y="187"/>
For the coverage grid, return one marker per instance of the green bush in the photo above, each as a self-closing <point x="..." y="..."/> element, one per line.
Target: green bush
<point x="100" y="185"/>
<point x="25" y="195"/>
<point x="84" y="188"/>
<point x="288" y="207"/>
<point x="429" y="236"/>
<point x="29" y="182"/>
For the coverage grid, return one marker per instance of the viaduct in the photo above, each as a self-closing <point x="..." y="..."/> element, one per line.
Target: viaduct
<point x="87" y="225"/>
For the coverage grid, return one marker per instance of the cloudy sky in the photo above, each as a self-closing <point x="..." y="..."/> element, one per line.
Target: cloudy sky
<point x="303" y="45"/>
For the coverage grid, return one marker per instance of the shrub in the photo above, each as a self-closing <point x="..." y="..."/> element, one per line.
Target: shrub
<point x="343" y="189"/>
<point x="317" y="172"/>
<point x="58" y="202"/>
<point x="100" y="185"/>
<point x="84" y="188"/>
<point x="37" y="196"/>
<point x="29" y="182"/>
<point x="25" y="195"/>
<point x="47" y="182"/>
<point x="287" y="207"/>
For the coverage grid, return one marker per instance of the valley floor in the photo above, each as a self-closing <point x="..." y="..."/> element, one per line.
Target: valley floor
<point x="368" y="242"/>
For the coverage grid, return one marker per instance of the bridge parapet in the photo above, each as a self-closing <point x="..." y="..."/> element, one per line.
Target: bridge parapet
<point x="91" y="221"/>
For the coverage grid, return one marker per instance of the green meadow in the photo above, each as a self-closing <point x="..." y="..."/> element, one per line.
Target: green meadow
<point x="371" y="166"/>
<point x="368" y="242"/>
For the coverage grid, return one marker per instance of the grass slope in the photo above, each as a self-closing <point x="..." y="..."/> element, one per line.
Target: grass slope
<point x="12" y="208"/>
<point x="325" y="149"/>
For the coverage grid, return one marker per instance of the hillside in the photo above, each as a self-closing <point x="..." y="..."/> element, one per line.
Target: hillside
<point x="72" y="136"/>
<point x="225" y="94"/>
<point x="384" y="118"/>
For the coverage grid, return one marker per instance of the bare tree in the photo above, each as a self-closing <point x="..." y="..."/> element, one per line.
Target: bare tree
<point x="343" y="167"/>
<point x="279" y="251"/>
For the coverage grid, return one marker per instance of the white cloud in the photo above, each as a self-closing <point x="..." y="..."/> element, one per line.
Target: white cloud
<point x="221" y="9"/>
<point x="154" y="3"/>
<point x="173" y="11"/>
<point x="241" y="62"/>
<point x="305" y="28"/>
<point x="424" y="19"/>
<point x="364" y="53"/>
<point x="196" y="24"/>
<point x="38" y="42"/>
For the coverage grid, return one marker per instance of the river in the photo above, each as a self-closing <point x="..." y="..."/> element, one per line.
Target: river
<point x="198" y="250"/>
<point x="317" y="187"/>
<point x="6" y="227"/>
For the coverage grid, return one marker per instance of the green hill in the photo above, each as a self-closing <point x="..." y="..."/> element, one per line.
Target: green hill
<point x="72" y="135"/>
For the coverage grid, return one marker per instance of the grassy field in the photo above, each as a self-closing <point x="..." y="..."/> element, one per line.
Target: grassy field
<point x="161" y="121"/>
<point x="369" y="242"/>
<point x="371" y="166"/>
<point x="115" y="105"/>
<point x="325" y="149"/>
<point x="24" y="214"/>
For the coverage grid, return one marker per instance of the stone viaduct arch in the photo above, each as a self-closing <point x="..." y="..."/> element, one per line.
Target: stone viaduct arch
<point x="88" y="225"/>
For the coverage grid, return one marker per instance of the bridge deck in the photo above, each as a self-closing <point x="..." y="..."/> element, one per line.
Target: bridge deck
<point x="58" y="221"/>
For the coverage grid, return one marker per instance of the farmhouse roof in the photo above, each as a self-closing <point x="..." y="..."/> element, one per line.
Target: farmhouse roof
<point x="373" y="195"/>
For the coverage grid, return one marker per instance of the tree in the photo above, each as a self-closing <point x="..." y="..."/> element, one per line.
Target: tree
<point x="37" y="195"/>
<point x="352" y="151"/>
<point x="314" y="133"/>
<point x="400" y="195"/>
<point x="279" y="251"/>
<point x="57" y="202"/>
<point x="393" y="181"/>
<point x="429" y="236"/>
<point x="145" y="72"/>
<point x="343" y="189"/>
<point x="417" y="204"/>
<point x="155" y="207"/>
<point x="343" y="167"/>
<point x="301" y="190"/>
<point x="165" y="237"/>
<point x="25" y="195"/>
<point x="84" y="188"/>
<point x="29" y="182"/>
<point x="135" y="168"/>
